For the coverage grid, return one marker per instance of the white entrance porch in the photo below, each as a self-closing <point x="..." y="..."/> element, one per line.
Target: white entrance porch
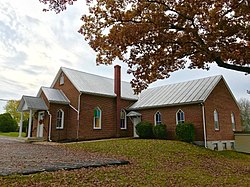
<point x="32" y="104"/>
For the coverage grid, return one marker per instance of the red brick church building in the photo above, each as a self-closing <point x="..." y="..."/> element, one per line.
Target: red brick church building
<point x="83" y="106"/>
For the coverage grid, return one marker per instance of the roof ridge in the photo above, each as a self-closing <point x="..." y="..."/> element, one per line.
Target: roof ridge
<point x="183" y="82"/>
<point x="90" y="74"/>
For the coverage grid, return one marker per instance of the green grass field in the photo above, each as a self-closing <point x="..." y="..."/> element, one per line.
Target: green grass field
<point x="11" y="134"/>
<point x="152" y="163"/>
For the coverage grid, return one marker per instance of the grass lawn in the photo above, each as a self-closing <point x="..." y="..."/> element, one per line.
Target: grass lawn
<point x="153" y="163"/>
<point x="11" y="134"/>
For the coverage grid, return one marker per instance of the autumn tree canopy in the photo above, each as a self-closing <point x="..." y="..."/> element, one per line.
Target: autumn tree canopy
<point x="156" y="37"/>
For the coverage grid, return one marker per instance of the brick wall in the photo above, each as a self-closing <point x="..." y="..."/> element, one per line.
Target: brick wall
<point x="221" y="100"/>
<point x="108" y="105"/>
<point x="193" y="113"/>
<point x="69" y="90"/>
<point x="108" y="119"/>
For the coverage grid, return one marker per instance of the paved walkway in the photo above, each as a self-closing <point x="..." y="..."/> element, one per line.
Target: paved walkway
<point x="18" y="157"/>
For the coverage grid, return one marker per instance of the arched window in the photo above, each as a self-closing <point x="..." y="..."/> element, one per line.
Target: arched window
<point x="216" y="120"/>
<point x="97" y="118"/>
<point x="60" y="119"/>
<point x="180" y="118"/>
<point x="157" y="118"/>
<point x="233" y="121"/>
<point x="123" y="119"/>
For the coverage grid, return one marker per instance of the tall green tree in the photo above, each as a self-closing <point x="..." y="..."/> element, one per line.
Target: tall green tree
<point x="11" y="108"/>
<point x="7" y="123"/>
<point x="157" y="37"/>
<point x="245" y="113"/>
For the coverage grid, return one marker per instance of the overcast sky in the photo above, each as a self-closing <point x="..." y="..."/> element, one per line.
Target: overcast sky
<point x="35" y="44"/>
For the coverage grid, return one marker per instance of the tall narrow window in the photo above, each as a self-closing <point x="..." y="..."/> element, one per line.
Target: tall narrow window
<point x="123" y="120"/>
<point x="216" y="120"/>
<point x="180" y="117"/>
<point x="61" y="81"/>
<point x="157" y="118"/>
<point x="59" y="119"/>
<point x="233" y="121"/>
<point x="97" y="118"/>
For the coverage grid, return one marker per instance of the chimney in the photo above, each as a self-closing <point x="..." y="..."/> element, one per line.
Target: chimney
<point x="117" y="81"/>
<point x="117" y="90"/>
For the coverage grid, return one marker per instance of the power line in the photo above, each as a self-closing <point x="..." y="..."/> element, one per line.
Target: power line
<point x="4" y="100"/>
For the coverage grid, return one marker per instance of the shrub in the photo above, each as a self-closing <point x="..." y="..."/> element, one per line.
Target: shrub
<point x="144" y="129"/>
<point x="160" y="131"/>
<point x="185" y="132"/>
<point x="7" y="123"/>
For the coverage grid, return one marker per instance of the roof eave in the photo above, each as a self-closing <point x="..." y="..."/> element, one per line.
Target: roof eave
<point x="166" y="105"/>
<point x="59" y="102"/>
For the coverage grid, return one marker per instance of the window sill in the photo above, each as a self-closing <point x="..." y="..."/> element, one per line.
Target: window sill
<point x="123" y="128"/>
<point x="97" y="128"/>
<point x="59" y="128"/>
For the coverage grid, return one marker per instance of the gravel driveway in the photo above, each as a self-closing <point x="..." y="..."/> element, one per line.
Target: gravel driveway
<point x="17" y="157"/>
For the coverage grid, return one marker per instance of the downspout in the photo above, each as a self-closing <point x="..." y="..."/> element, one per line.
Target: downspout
<point x="50" y="119"/>
<point x="204" y="125"/>
<point x="78" y="115"/>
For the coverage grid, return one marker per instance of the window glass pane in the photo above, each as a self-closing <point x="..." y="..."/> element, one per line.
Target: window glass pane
<point x="97" y="118"/>
<point x="122" y="115"/>
<point x="97" y="123"/>
<point x="215" y="146"/>
<point x="233" y="121"/>
<point x="224" y="146"/>
<point x="123" y="119"/>
<point x="59" y="120"/>
<point x="232" y="145"/>
<point x="216" y="120"/>
<point x="180" y="117"/>
<point x="158" y="118"/>
<point x="122" y="124"/>
<point x="97" y="113"/>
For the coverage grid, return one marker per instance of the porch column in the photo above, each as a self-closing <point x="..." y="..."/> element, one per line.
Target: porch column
<point x="21" y="126"/>
<point x="30" y="120"/>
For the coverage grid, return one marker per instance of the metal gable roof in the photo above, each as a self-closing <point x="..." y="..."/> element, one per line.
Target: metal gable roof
<point x="31" y="103"/>
<point x="180" y="93"/>
<point x="54" y="95"/>
<point x="94" y="84"/>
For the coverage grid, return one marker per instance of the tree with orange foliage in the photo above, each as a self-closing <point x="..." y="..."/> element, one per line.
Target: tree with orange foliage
<point x="156" y="37"/>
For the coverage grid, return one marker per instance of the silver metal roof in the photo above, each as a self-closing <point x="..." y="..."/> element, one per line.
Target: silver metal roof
<point x="194" y="91"/>
<point x="31" y="103"/>
<point x="54" y="95"/>
<point x="94" y="84"/>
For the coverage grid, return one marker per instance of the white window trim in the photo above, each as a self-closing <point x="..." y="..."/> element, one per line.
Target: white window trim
<point x="94" y="127"/>
<point x="125" y="120"/>
<point x="155" y="118"/>
<point x="62" y="121"/>
<point x="233" y="121"/>
<point x="176" y="115"/>
<point x="216" y="112"/>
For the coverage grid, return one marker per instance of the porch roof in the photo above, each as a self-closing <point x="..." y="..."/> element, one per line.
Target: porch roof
<point x="133" y="114"/>
<point x="31" y="103"/>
